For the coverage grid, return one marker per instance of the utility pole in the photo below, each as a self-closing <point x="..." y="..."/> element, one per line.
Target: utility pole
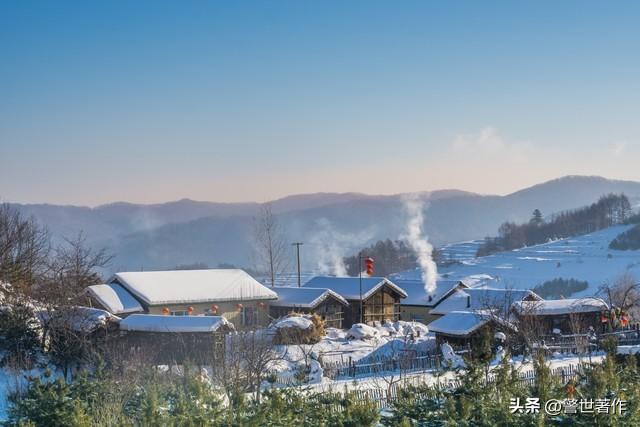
<point x="360" y="275"/>
<point x="297" y="245"/>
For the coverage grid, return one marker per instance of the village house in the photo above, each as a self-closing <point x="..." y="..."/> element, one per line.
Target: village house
<point x="483" y="298"/>
<point x="417" y="305"/>
<point x="329" y="305"/>
<point x="379" y="296"/>
<point x="230" y="293"/>
<point x="465" y="314"/>
<point x="563" y="316"/>
<point x="175" y="339"/>
<point x="466" y="328"/>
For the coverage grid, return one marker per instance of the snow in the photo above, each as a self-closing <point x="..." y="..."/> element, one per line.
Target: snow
<point x="628" y="349"/>
<point x="349" y="287"/>
<point x="449" y="358"/>
<point x="306" y="297"/>
<point x="81" y="319"/>
<point x="416" y="294"/>
<point x="300" y="322"/>
<point x="561" y="306"/>
<point x="584" y="258"/>
<point x="360" y="331"/>
<point x="193" y="286"/>
<point x="458" y="323"/>
<point x="115" y="298"/>
<point x="159" y="323"/>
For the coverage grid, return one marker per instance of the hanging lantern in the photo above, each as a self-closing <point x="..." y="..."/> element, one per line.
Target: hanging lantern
<point x="603" y="318"/>
<point x="624" y="320"/>
<point x="190" y="310"/>
<point x="166" y="311"/>
<point x="261" y="304"/>
<point x="214" y="309"/>
<point x="240" y="306"/>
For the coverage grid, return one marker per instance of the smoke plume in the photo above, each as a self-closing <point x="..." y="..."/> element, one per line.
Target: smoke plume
<point x="414" y="236"/>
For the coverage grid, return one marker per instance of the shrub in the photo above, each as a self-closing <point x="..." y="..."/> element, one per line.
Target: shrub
<point x="627" y="241"/>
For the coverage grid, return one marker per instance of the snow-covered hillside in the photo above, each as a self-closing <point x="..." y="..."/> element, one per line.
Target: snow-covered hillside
<point x="585" y="258"/>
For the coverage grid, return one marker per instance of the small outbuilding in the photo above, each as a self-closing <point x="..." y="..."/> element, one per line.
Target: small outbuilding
<point x="465" y="328"/>
<point x="175" y="339"/>
<point x="329" y="305"/>
<point x="113" y="298"/>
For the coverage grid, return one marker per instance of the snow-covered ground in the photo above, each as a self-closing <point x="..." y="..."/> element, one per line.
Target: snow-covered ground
<point x="586" y="257"/>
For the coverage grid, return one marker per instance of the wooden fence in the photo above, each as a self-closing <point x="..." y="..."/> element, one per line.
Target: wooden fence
<point x="405" y="363"/>
<point x="383" y="398"/>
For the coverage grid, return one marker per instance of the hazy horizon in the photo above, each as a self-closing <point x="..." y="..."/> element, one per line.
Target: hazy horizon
<point x="149" y="102"/>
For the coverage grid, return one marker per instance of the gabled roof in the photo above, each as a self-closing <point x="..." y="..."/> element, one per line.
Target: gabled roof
<point x="349" y="287"/>
<point x="473" y="299"/>
<point x="458" y="323"/>
<point x="303" y="297"/>
<point x="417" y="295"/>
<point x="115" y="298"/>
<point x="560" y="306"/>
<point x="159" y="323"/>
<point x="193" y="286"/>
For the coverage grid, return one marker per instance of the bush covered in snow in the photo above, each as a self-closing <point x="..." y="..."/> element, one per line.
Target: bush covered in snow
<point x="297" y="328"/>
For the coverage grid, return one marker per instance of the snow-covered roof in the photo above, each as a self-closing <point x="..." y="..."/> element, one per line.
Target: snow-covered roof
<point x="159" y="323"/>
<point x="193" y="286"/>
<point x="303" y="297"/>
<point x="79" y="318"/>
<point x="416" y="294"/>
<point x="473" y="299"/>
<point x="561" y="306"/>
<point x="458" y="323"/>
<point x="349" y="287"/>
<point x="115" y="298"/>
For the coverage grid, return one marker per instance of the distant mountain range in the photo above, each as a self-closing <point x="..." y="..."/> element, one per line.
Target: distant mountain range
<point x="330" y="224"/>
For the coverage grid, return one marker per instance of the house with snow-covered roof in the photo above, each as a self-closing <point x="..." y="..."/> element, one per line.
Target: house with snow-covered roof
<point x="418" y="303"/>
<point x="324" y="302"/>
<point x="231" y="293"/>
<point x="175" y="339"/>
<point x="565" y="316"/>
<point x="380" y="298"/>
<point x="483" y="298"/>
<point x="466" y="328"/>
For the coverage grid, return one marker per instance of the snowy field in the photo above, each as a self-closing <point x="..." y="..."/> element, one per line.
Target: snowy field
<point x="586" y="257"/>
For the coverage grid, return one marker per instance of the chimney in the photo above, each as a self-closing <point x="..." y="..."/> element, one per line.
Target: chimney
<point x="468" y="301"/>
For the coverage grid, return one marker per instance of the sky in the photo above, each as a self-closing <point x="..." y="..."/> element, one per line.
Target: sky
<point x="150" y="101"/>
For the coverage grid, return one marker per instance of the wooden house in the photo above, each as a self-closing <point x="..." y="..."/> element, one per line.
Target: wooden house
<point x="563" y="316"/>
<point x="174" y="339"/>
<point x="329" y="305"/>
<point x="380" y="298"/>
<point x="418" y="303"/>
<point x="465" y="328"/>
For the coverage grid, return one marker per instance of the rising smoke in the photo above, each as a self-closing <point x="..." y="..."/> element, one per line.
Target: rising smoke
<point x="331" y="246"/>
<point x="415" y="205"/>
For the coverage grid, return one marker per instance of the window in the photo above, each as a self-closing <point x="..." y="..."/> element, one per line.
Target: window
<point x="249" y="316"/>
<point x="179" y="313"/>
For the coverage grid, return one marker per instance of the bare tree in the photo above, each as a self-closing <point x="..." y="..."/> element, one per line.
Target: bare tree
<point x="270" y="244"/>
<point x="24" y="249"/>
<point x="624" y="293"/>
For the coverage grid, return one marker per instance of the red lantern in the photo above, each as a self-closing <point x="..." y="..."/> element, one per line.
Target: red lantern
<point x="603" y="318"/>
<point x="166" y="311"/>
<point x="261" y="304"/>
<point x="214" y="309"/>
<point x="190" y="310"/>
<point x="240" y="306"/>
<point x="368" y="262"/>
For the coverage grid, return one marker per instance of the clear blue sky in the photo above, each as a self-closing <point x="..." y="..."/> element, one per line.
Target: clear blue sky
<point x="154" y="101"/>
